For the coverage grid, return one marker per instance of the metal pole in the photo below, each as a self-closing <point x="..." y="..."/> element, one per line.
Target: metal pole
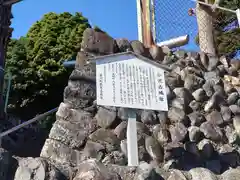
<point x="7" y="94"/>
<point x="139" y="20"/>
<point x="238" y="16"/>
<point x="27" y="122"/>
<point x="132" y="144"/>
<point x="153" y="20"/>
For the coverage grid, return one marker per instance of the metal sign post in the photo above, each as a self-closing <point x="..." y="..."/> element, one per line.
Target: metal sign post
<point x="238" y="16"/>
<point x="132" y="145"/>
<point x="133" y="82"/>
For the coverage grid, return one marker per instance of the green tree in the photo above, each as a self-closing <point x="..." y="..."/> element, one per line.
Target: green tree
<point x="226" y="42"/>
<point x="35" y="62"/>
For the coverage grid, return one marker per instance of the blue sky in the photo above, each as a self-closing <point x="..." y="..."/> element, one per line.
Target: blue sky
<point x="117" y="17"/>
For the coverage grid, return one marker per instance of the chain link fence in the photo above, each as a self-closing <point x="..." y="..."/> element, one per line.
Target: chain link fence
<point x="172" y="20"/>
<point x="217" y="29"/>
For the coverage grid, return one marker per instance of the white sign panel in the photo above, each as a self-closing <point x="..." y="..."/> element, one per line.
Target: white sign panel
<point x="127" y="81"/>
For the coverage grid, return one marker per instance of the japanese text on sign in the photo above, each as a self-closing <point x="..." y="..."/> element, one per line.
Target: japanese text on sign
<point x="130" y="82"/>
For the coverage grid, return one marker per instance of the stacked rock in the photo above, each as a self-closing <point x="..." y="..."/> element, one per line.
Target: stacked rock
<point x="197" y="138"/>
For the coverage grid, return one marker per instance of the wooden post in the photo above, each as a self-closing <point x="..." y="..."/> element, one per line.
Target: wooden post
<point x="146" y="19"/>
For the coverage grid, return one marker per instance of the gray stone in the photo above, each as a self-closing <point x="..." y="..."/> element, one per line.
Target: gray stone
<point x="161" y="134"/>
<point x="123" y="146"/>
<point x="214" y="102"/>
<point x="180" y="103"/>
<point x="125" y="172"/>
<point x="207" y="87"/>
<point x="231" y="174"/>
<point x="211" y="131"/>
<point x="58" y="152"/>
<point x="221" y="69"/>
<point x="139" y="48"/>
<point x="199" y="173"/>
<point x="163" y="118"/>
<point x="192" y="82"/>
<point x="194" y="105"/>
<point x="93" y="150"/>
<point x="214" y="166"/>
<point x="148" y="117"/>
<point x="188" y="69"/>
<point x="115" y="157"/>
<point x="212" y="76"/>
<point x="228" y="87"/>
<point x="98" y="42"/>
<point x="169" y="92"/>
<point x="224" y="61"/>
<point x="199" y="95"/>
<point x="72" y="134"/>
<point x="106" y="138"/>
<point x="232" y="71"/>
<point x="180" y="54"/>
<point x="196" y="118"/>
<point x="81" y="119"/>
<point x="215" y="118"/>
<point x="143" y="155"/>
<point x="39" y="169"/>
<point x="236" y="124"/>
<point x="212" y="63"/>
<point x="74" y="95"/>
<point x="219" y="90"/>
<point x="176" y="175"/>
<point x="169" y="165"/>
<point x="176" y="115"/>
<point x="92" y="169"/>
<point x="206" y="148"/>
<point x="121" y="130"/>
<point x="235" y="63"/>
<point x="231" y="134"/>
<point x="194" y="133"/>
<point x="154" y="149"/>
<point x="173" y="80"/>
<point x="235" y="109"/>
<point x="157" y="53"/>
<point x="226" y="114"/>
<point x="145" y="171"/>
<point x="106" y="117"/>
<point x="178" y="132"/>
<point x="81" y="59"/>
<point x="184" y="94"/>
<point x="123" y="45"/>
<point x="167" y="60"/>
<point x="232" y="98"/>
<point x="194" y="56"/>
<point x="122" y="114"/>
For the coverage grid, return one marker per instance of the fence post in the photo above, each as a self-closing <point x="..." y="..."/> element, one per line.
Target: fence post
<point x="238" y="16"/>
<point x="139" y="20"/>
<point x="205" y="28"/>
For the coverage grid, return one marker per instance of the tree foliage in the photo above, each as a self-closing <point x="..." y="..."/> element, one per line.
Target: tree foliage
<point x="35" y="62"/>
<point x="227" y="41"/>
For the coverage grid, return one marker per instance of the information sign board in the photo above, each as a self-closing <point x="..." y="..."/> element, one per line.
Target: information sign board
<point x="128" y="81"/>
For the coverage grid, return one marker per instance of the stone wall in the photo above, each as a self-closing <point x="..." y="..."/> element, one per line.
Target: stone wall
<point x="196" y="139"/>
